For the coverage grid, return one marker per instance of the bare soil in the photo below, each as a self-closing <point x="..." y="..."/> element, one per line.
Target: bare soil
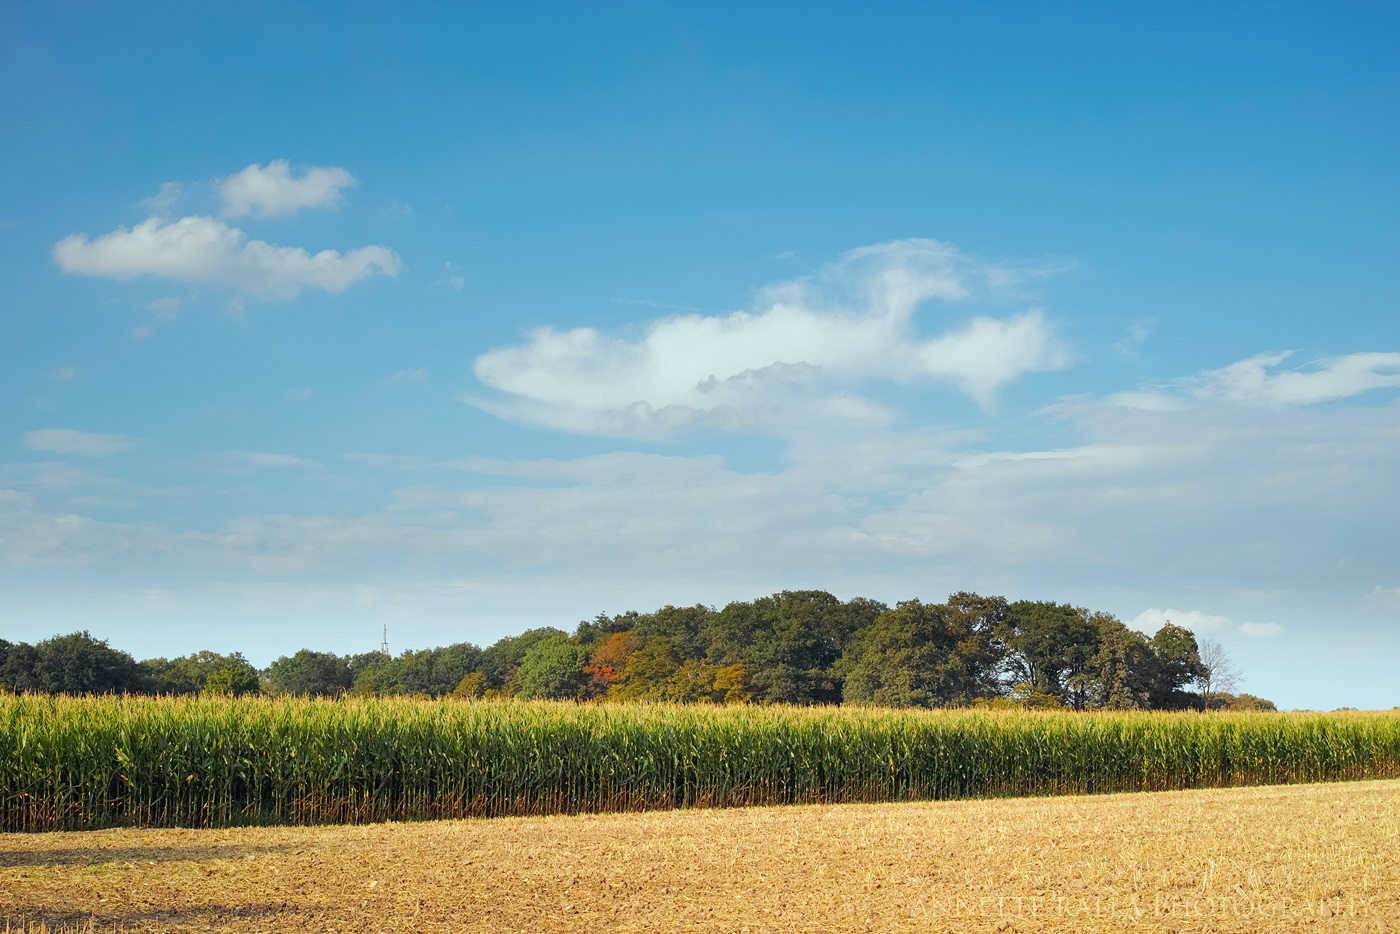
<point x="1274" y="859"/>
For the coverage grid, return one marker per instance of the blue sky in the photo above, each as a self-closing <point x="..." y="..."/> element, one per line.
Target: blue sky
<point x="646" y="304"/>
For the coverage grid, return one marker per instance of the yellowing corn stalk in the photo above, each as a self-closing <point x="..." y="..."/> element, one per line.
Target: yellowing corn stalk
<point x="198" y="762"/>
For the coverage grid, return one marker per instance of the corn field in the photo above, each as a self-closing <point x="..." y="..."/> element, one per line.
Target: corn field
<point x="70" y="763"/>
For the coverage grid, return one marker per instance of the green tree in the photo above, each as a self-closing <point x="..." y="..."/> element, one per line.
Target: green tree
<point x="438" y="671"/>
<point x="980" y="655"/>
<point x="692" y="683"/>
<point x="191" y="674"/>
<point x="374" y="673"/>
<point x="590" y="632"/>
<point x="1177" y="664"/>
<point x="553" y="669"/>
<point x="500" y="661"/>
<point x="1032" y="697"/>
<point x="1121" y="675"/>
<point x="648" y="671"/>
<point x="684" y="626"/>
<point x="170" y="676"/>
<point x="17" y="660"/>
<point x="309" y="673"/>
<point x="789" y="642"/>
<point x="233" y="677"/>
<point x="79" y="664"/>
<point x="1049" y="645"/>
<point x="732" y="684"/>
<point x="1249" y="702"/>
<point x="472" y="685"/>
<point x="923" y="655"/>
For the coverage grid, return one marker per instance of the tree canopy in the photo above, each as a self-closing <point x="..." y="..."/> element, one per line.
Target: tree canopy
<point x="72" y="664"/>
<point x="793" y="647"/>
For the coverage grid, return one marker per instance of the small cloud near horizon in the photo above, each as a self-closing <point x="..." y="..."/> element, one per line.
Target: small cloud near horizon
<point x="1151" y="620"/>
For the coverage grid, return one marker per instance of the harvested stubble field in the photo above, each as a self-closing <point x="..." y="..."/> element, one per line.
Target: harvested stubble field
<point x="1321" y="857"/>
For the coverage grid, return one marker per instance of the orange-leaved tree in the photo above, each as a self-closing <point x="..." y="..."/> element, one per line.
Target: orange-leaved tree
<point x="608" y="662"/>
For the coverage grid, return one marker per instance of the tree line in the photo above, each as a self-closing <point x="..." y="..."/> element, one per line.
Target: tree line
<point x="795" y="647"/>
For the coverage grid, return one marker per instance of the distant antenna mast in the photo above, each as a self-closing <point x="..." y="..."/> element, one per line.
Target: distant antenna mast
<point x="384" y="646"/>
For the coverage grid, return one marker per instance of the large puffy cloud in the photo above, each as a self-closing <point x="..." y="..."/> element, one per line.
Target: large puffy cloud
<point x="206" y="250"/>
<point x="799" y="358"/>
<point x="271" y="190"/>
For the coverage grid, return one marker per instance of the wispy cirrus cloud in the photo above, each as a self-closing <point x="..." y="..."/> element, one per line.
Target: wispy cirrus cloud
<point x="1155" y="503"/>
<point x="72" y="441"/>
<point x="1206" y="502"/>
<point x="269" y="459"/>
<point x="801" y="356"/>
<point x="416" y="374"/>
<point x="1257" y="381"/>
<point x="1254" y="380"/>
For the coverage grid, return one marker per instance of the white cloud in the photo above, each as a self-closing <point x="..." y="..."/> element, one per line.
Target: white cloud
<point x="1250" y="381"/>
<point x="989" y="353"/>
<point x="71" y="441"/>
<point x="265" y="459"/>
<point x="1151" y="620"/>
<point x="1239" y="506"/>
<point x="1384" y="597"/>
<point x="400" y="461"/>
<point x="1227" y="506"/>
<point x="1207" y="500"/>
<point x="1147" y="400"/>
<point x="1137" y="332"/>
<point x="272" y="190"/>
<point x="414" y="375"/>
<point x="160" y="204"/>
<point x="62" y="373"/>
<point x="29" y="536"/>
<point x="793" y="361"/>
<point x="452" y="276"/>
<point x="166" y="309"/>
<point x="203" y="249"/>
